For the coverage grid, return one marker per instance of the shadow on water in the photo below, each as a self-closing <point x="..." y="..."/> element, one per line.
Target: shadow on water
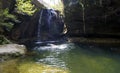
<point x="79" y="58"/>
<point x="91" y="59"/>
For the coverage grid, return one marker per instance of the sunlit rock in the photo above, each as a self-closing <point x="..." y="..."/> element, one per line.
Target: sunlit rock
<point x="50" y="4"/>
<point x="12" y="49"/>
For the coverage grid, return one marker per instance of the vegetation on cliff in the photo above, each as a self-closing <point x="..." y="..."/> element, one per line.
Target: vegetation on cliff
<point x="25" y="7"/>
<point x="4" y="17"/>
<point x="6" y="23"/>
<point x="9" y="18"/>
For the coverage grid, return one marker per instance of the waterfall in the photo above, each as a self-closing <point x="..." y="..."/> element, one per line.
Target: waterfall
<point x="51" y="14"/>
<point x="39" y="27"/>
<point x="49" y="18"/>
<point x="50" y="25"/>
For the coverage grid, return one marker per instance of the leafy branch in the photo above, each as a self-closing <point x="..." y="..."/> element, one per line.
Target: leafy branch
<point x="25" y="7"/>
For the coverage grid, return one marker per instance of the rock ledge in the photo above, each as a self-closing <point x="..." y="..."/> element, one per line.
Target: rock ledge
<point x="12" y="49"/>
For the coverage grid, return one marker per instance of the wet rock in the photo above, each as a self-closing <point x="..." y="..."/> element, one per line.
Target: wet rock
<point x="6" y="4"/>
<point x="48" y="24"/>
<point x="103" y="42"/>
<point x="12" y="49"/>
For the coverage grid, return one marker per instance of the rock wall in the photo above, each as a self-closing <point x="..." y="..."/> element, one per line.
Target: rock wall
<point x="45" y="24"/>
<point x="82" y="17"/>
<point x="8" y="4"/>
<point x="92" y="17"/>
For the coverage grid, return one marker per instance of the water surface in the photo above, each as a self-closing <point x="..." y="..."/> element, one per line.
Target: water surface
<point x="66" y="58"/>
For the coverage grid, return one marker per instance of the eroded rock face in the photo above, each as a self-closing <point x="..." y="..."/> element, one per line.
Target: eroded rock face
<point x="81" y="17"/>
<point x="92" y="16"/>
<point x="12" y="49"/>
<point x="7" y="4"/>
<point x="46" y="24"/>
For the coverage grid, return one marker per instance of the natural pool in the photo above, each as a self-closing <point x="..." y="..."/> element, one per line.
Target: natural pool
<point x="64" y="58"/>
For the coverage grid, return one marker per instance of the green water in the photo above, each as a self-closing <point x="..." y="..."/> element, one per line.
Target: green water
<point x="65" y="58"/>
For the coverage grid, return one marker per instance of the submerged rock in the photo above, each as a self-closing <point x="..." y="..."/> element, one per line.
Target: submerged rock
<point x="9" y="66"/>
<point x="28" y="67"/>
<point x="12" y="49"/>
<point x="39" y="68"/>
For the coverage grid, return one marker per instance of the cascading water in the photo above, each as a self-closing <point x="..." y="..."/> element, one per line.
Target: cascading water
<point x="39" y="26"/>
<point x="50" y="26"/>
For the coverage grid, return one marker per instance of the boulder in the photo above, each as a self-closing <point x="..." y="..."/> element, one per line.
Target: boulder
<point x="12" y="49"/>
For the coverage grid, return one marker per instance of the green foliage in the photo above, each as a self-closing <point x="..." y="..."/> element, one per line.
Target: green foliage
<point x="5" y="15"/>
<point x="25" y="7"/>
<point x="4" y="40"/>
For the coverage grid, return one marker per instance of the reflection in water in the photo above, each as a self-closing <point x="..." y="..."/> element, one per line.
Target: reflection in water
<point x="52" y="47"/>
<point x="53" y="58"/>
<point x="52" y="61"/>
<point x="65" y="58"/>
